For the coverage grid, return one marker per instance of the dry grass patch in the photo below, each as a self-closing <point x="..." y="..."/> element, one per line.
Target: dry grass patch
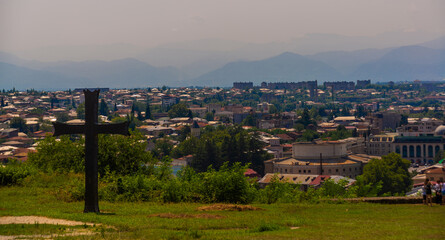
<point x="228" y="207"/>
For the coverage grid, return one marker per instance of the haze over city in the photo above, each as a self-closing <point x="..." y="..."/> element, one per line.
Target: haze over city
<point x="69" y="44"/>
<point x="28" y="26"/>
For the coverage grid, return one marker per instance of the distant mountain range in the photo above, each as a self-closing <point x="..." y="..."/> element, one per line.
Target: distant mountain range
<point x="424" y="61"/>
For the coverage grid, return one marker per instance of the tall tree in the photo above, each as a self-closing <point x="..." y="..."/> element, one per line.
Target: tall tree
<point x="147" y="109"/>
<point x="103" y="108"/>
<point x="392" y="171"/>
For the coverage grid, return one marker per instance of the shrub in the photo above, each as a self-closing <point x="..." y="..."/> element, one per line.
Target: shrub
<point x="226" y="185"/>
<point x="14" y="173"/>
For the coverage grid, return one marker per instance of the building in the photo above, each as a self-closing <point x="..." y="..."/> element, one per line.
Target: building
<point x="195" y="130"/>
<point x="312" y="86"/>
<point x="168" y="101"/>
<point x="319" y="158"/>
<point x="304" y="180"/>
<point x="380" y="144"/>
<point x="384" y="120"/>
<point x="339" y="85"/>
<point x="363" y="83"/>
<point x="422" y="149"/>
<point x="419" y="127"/>
<point x="243" y="85"/>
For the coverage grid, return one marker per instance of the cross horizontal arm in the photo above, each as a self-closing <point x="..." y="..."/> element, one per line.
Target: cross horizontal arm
<point x="114" y="128"/>
<point x="63" y="128"/>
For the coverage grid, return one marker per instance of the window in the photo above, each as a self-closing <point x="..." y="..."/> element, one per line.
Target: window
<point x="304" y="171"/>
<point x="285" y="170"/>
<point x="411" y="151"/>
<point x="418" y="151"/>
<point x="309" y="171"/>
<point x="404" y="151"/>
<point x="336" y="170"/>
<point x="430" y="151"/>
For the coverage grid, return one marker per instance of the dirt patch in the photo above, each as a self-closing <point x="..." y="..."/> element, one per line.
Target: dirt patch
<point x="39" y="220"/>
<point x="183" y="215"/>
<point x="228" y="207"/>
<point x="45" y="220"/>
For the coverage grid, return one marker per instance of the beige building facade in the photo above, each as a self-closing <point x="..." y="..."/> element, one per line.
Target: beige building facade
<point x="320" y="158"/>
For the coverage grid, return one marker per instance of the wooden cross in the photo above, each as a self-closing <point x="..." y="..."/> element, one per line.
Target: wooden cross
<point x="91" y="128"/>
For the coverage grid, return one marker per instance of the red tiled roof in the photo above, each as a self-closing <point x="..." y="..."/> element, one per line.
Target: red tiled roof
<point x="319" y="179"/>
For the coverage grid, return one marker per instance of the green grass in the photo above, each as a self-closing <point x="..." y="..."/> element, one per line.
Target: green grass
<point x="34" y="229"/>
<point x="135" y="220"/>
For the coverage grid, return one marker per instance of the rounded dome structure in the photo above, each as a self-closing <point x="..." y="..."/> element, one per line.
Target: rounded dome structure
<point x="440" y="131"/>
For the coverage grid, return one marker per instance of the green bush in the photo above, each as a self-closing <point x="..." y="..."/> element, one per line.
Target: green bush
<point x="117" y="154"/>
<point x="227" y="185"/>
<point x="14" y="173"/>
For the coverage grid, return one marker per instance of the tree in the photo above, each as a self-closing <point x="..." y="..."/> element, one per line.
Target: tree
<point x="360" y="111"/>
<point x="178" y="110"/>
<point x="118" y="154"/>
<point x="163" y="147"/>
<point x="305" y="118"/>
<point x="103" y="108"/>
<point x="209" y="116"/>
<point x="62" y="117"/>
<point x="392" y="171"/>
<point x="2" y="102"/>
<point x="147" y="109"/>
<point x="403" y="120"/>
<point x="250" y="120"/>
<point x="81" y="111"/>
<point x="19" y="123"/>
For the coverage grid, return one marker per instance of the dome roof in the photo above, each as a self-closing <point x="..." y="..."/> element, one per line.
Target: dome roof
<point x="440" y="130"/>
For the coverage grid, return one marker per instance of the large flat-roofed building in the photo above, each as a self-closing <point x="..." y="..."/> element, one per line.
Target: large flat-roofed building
<point x="420" y="149"/>
<point x="318" y="158"/>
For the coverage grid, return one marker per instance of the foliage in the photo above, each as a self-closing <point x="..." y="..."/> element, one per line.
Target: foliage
<point x="226" y="185"/>
<point x="178" y="110"/>
<point x="19" y="123"/>
<point x="14" y="172"/>
<point x="308" y="136"/>
<point x="117" y="155"/>
<point x="124" y="155"/>
<point x="250" y="120"/>
<point x="81" y="111"/>
<point x="224" y="144"/>
<point x="392" y="171"/>
<point x="103" y="108"/>
<point x="340" y="133"/>
<point x="163" y="147"/>
<point x="60" y="156"/>
<point x="62" y="117"/>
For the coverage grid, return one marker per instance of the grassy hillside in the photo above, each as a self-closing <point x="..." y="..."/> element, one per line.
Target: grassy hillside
<point x="148" y="220"/>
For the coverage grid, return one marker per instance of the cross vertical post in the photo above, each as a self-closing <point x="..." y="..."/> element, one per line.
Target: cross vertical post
<point x="91" y="128"/>
<point x="91" y="152"/>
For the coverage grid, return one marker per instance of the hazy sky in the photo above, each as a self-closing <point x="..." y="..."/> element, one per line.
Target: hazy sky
<point x="27" y="24"/>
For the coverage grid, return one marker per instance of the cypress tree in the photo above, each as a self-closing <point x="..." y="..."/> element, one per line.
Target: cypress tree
<point x="147" y="110"/>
